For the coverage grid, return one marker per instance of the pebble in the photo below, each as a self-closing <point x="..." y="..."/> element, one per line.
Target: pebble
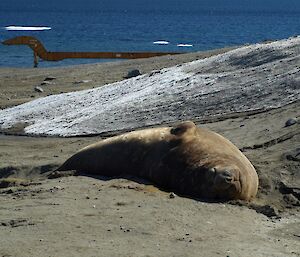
<point x="291" y="199"/>
<point x="133" y="73"/>
<point x="39" y="89"/>
<point x="81" y="81"/>
<point x="49" y="78"/>
<point x="172" y="195"/>
<point x="154" y="72"/>
<point x="290" y="122"/>
<point x="45" y="83"/>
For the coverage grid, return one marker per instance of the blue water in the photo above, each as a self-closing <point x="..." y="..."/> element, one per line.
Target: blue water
<point x="133" y="25"/>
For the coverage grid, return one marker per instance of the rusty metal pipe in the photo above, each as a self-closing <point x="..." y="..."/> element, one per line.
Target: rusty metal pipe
<point x="41" y="52"/>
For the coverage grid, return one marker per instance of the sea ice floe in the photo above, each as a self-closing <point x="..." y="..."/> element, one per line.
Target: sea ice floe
<point x="25" y="28"/>
<point x="161" y="42"/>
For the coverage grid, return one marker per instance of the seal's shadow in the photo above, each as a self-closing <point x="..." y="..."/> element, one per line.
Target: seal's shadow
<point x="261" y="208"/>
<point x="146" y="182"/>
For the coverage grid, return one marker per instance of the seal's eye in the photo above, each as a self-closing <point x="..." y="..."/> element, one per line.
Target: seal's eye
<point x="210" y="175"/>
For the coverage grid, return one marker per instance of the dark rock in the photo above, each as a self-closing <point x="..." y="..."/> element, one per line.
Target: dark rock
<point x="290" y="122"/>
<point x="16" y="223"/>
<point x="39" y="89"/>
<point x="267" y="210"/>
<point x="49" y="78"/>
<point x="293" y="155"/>
<point x="291" y="199"/>
<point x="287" y="188"/>
<point x="172" y="195"/>
<point x="132" y="74"/>
<point x="46" y="83"/>
<point x="154" y="72"/>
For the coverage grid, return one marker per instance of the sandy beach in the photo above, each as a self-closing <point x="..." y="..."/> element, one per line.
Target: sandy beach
<point x="96" y="216"/>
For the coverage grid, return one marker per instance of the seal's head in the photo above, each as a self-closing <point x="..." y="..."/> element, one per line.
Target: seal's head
<point x="218" y="169"/>
<point x="223" y="183"/>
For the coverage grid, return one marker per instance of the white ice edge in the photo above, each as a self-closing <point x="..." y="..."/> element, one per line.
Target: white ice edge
<point x="185" y="45"/>
<point x="161" y="42"/>
<point x="25" y="28"/>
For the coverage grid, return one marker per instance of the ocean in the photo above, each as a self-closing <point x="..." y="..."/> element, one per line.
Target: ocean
<point x="137" y="25"/>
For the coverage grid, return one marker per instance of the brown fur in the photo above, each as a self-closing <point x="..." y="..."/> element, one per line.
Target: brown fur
<point x="186" y="159"/>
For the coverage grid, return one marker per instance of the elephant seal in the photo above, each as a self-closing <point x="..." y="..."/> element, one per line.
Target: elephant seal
<point x="189" y="160"/>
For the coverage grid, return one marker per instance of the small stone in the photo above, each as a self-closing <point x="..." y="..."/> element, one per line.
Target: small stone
<point x="132" y="74"/>
<point x="172" y="195"/>
<point x="46" y="83"/>
<point x="49" y="78"/>
<point x="291" y="199"/>
<point x="267" y="210"/>
<point x="290" y="122"/>
<point x="39" y="89"/>
<point x="81" y="81"/>
<point x="154" y="72"/>
<point x="87" y="197"/>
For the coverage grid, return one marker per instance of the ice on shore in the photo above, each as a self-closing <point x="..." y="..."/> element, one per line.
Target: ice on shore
<point x="254" y="77"/>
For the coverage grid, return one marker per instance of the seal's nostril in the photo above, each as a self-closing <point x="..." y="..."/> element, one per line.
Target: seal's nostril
<point x="227" y="175"/>
<point x="223" y="177"/>
<point x="228" y="179"/>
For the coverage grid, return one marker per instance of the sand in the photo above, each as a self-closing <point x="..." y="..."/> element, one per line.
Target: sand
<point x="96" y="216"/>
